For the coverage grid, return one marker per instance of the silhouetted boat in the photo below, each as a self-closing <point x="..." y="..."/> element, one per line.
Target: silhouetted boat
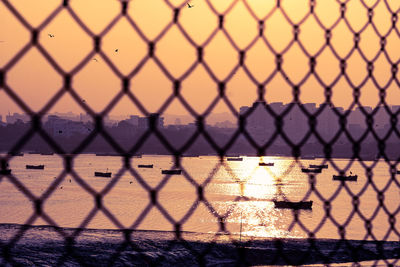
<point x="117" y="155"/>
<point x="102" y="174"/>
<point x="15" y="154"/>
<point x="190" y="155"/>
<point x="5" y="172"/>
<point x="304" y="205"/>
<point x="268" y="164"/>
<point x="35" y="167"/>
<point x="171" y="171"/>
<point x="234" y="159"/>
<point x="46" y="153"/>
<point x="145" y="166"/>
<point x="311" y="170"/>
<point x="345" y="178"/>
<point x="321" y="166"/>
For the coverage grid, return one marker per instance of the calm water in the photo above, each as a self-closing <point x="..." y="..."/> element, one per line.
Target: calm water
<point x="128" y="201"/>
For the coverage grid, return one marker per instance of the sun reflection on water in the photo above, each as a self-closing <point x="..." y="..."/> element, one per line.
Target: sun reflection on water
<point x="257" y="187"/>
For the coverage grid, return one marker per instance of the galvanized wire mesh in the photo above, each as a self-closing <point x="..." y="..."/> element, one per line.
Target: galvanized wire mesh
<point x="241" y="131"/>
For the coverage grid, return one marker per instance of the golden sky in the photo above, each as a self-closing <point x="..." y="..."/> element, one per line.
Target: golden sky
<point x="35" y="81"/>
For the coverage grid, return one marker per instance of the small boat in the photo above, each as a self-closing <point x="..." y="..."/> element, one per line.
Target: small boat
<point x="268" y="164"/>
<point x="190" y="155"/>
<point x="5" y="172"/>
<point x="171" y="171"/>
<point x="102" y="174"/>
<point x="303" y="205"/>
<point x="321" y="166"/>
<point x="16" y="154"/>
<point x="149" y="166"/>
<point x="345" y="178"/>
<point x="117" y="155"/>
<point x="46" y="153"/>
<point x="311" y="170"/>
<point x="235" y="159"/>
<point x="35" y="167"/>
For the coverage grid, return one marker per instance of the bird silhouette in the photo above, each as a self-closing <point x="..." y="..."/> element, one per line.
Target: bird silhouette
<point x="116" y="50"/>
<point x="50" y="35"/>
<point x="189" y="5"/>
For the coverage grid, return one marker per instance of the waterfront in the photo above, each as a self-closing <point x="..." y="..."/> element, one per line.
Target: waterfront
<point x="241" y="189"/>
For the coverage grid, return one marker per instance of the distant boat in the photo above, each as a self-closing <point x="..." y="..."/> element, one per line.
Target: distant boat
<point x="102" y="174"/>
<point x="351" y="178"/>
<point x="46" y="153"/>
<point x="190" y="155"/>
<point x="268" y="164"/>
<point x="311" y="170"/>
<point x="304" y="205"/>
<point x="5" y="172"/>
<point x="171" y="171"/>
<point x="321" y="166"/>
<point x="116" y="155"/>
<point x="235" y="159"/>
<point x="145" y="166"/>
<point x="15" y="154"/>
<point x="35" y="167"/>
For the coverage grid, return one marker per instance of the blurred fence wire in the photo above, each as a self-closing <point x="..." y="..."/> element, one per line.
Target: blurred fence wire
<point x="241" y="130"/>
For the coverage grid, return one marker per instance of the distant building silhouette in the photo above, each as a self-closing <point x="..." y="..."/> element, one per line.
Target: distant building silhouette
<point x="15" y="117"/>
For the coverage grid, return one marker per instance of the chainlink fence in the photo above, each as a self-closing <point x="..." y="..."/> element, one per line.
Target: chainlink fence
<point x="282" y="253"/>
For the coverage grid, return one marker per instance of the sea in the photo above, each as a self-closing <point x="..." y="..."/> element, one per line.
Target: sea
<point x="211" y="199"/>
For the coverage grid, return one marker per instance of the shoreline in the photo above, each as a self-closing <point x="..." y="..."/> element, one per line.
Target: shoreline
<point x="41" y="245"/>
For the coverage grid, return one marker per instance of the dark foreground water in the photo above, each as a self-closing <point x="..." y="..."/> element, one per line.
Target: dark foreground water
<point x="49" y="246"/>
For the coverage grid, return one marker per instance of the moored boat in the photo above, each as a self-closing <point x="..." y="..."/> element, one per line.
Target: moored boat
<point x="117" y="155"/>
<point x="304" y="205"/>
<point x="145" y="166"/>
<point x="102" y="174"/>
<point x="35" y="167"/>
<point x="268" y="164"/>
<point x="311" y="170"/>
<point x="171" y="171"/>
<point x="235" y="159"/>
<point x="5" y="172"/>
<point x="46" y="153"/>
<point x="16" y="154"/>
<point x="351" y="178"/>
<point x="321" y="166"/>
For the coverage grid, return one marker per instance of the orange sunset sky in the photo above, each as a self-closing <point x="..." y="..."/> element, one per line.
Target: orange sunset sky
<point x="35" y="81"/>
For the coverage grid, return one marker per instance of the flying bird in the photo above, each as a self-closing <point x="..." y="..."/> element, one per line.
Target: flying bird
<point x="116" y="50"/>
<point x="189" y="5"/>
<point x="50" y="35"/>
